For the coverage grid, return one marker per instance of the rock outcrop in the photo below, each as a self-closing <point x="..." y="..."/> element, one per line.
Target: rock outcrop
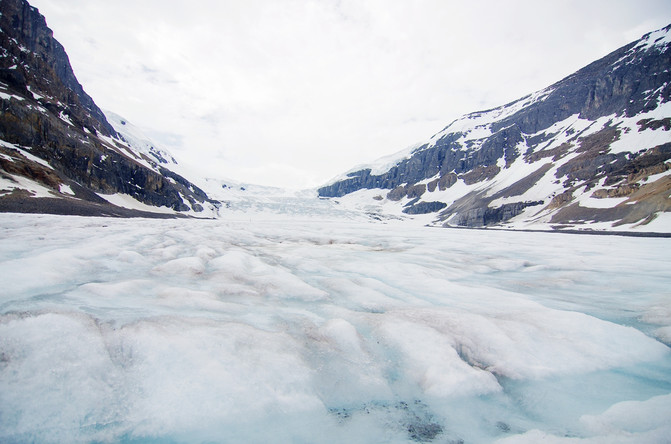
<point x="56" y="145"/>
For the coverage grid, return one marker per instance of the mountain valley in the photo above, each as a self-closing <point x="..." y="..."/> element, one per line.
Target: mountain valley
<point x="590" y="152"/>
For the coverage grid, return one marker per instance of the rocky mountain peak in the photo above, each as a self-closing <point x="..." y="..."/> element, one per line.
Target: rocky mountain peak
<point x="58" y="152"/>
<point x="35" y="62"/>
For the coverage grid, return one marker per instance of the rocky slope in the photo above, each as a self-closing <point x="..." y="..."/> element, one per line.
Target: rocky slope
<point x="590" y="151"/>
<point x="58" y="152"/>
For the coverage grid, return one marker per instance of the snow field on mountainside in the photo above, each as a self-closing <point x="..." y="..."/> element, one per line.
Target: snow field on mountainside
<point x="308" y="330"/>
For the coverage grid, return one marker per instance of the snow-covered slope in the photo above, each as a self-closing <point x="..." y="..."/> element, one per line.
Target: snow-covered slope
<point x="138" y="140"/>
<point x="590" y="151"/>
<point x="135" y="143"/>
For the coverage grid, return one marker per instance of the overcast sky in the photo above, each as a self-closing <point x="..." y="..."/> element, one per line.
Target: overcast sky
<point x="293" y="92"/>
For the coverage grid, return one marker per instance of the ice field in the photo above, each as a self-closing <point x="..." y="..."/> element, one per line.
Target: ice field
<point x="318" y="331"/>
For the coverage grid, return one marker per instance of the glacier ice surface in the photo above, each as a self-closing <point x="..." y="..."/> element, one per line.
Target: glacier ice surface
<point x="308" y="330"/>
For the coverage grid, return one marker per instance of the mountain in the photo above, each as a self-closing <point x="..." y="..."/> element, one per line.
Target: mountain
<point x="58" y="151"/>
<point x="590" y="151"/>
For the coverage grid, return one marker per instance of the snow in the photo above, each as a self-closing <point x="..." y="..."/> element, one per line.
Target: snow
<point x="11" y="182"/>
<point x="381" y="165"/>
<point x="635" y="140"/>
<point x="5" y="96"/>
<point x="474" y="128"/>
<point x="568" y="129"/>
<point x="315" y="328"/>
<point x="586" y="200"/>
<point x="127" y="201"/>
<point x="65" y="189"/>
<point x="136" y="138"/>
<point x="658" y="38"/>
<point x="26" y="154"/>
<point x="65" y="118"/>
<point x="630" y="422"/>
<point x="478" y="125"/>
<point x="127" y="150"/>
<point x="36" y="96"/>
<point x="34" y="158"/>
<point x="660" y="223"/>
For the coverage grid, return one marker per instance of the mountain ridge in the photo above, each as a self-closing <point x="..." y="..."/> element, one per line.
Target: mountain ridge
<point x="597" y="133"/>
<point x="58" y="152"/>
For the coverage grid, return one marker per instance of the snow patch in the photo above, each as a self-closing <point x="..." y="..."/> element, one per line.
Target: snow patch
<point x="126" y="201"/>
<point x="658" y="38"/>
<point x="633" y="140"/>
<point x="12" y="182"/>
<point x="65" y="118"/>
<point x="137" y="139"/>
<point x="26" y="154"/>
<point x="36" y="96"/>
<point x="65" y="189"/>
<point x="5" y="96"/>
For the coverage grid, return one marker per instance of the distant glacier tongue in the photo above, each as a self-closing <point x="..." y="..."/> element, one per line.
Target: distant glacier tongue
<point x="302" y="330"/>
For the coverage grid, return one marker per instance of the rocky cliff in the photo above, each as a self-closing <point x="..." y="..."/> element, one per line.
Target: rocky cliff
<point x="58" y="152"/>
<point x="590" y="150"/>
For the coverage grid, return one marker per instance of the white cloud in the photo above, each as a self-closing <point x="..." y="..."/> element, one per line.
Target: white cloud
<point x="294" y="92"/>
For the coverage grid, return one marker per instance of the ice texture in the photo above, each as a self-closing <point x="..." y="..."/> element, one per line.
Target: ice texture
<point x="309" y="330"/>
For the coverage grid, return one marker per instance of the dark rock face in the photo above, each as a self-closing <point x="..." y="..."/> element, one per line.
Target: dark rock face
<point x="539" y="128"/>
<point x="483" y="216"/>
<point x="42" y="64"/>
<point x="445" y="158"/>
<point x="44" y="110"/>
<point x="424" y="207"/>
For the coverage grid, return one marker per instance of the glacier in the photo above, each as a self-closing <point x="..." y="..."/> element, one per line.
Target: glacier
<point x="329" y="329"/>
